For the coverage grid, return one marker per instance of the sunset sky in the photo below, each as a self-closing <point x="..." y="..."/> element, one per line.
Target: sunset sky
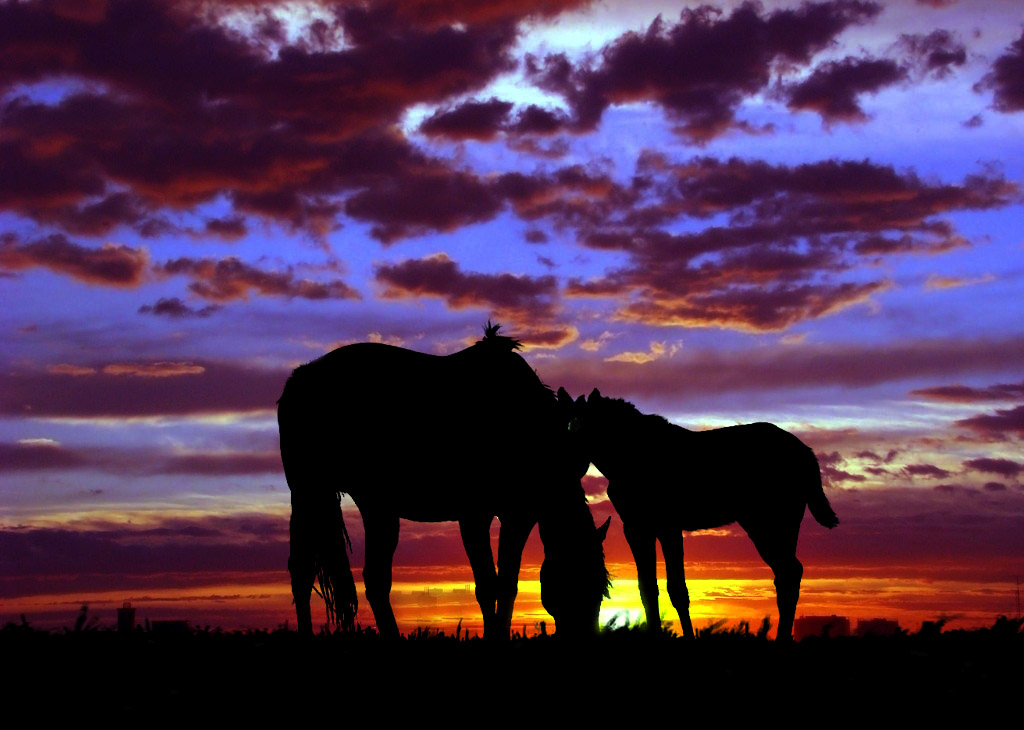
<point x="803" y="213"/>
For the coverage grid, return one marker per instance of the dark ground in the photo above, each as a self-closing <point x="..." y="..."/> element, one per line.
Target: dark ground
<point x="623" y="676"/>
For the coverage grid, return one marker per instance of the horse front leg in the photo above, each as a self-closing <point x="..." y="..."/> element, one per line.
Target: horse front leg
<point x="672" y="549"/>
<point x="476" y="538"/>
<point x="641" y="543"/>
<point x="381" y="541"/>
<point x="511" y="543"/>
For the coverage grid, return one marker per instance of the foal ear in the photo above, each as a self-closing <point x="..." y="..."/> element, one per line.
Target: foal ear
<point x="595" y="394"/>
<point x="602" y="531"/>
<point x="581" y="401"/>
<point x="564" y="398"/>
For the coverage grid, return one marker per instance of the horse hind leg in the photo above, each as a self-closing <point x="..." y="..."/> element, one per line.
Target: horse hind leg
<point x="476" y="540"/>
<point x="302" y="568"/>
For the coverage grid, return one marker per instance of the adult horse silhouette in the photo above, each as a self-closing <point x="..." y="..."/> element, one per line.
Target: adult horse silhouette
<point x="465" y="437"/>
<point x="663" y="479"/>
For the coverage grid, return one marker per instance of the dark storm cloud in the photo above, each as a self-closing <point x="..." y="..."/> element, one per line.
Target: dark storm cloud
<point x="700" y="69"/>
<point x="833" y="88"/>
<point x="439" y="276"/>
<point x="218" y="388"/>
<point x="1006" y="78"/>
<point x="223" y="280"/>
<point x="109" y="264"/>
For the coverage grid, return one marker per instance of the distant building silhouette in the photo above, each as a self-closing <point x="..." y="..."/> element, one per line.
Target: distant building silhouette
<point x="126" y="617"/>
<point x="876" y="627"/>
<point x="821" y="626"/>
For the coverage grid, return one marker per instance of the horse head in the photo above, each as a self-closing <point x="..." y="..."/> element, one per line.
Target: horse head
<point x="573" y="577"/>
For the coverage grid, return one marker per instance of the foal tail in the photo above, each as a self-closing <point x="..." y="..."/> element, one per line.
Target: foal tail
<point x="817" y="502"/>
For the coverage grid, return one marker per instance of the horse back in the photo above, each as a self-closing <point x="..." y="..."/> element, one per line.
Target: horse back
<point x="380" y="413"/>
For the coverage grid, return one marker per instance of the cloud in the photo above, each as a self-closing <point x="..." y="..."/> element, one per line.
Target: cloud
<point x="154" y="369"/>
<point x="953" y="282"/>
<point x="929" y="471"/>
<point x="222" y="464"/>
<point x="657" y="351"/>
<point x="968" y="394"/>
<point x="416" y="204"/>
<point x="224" y="280"/>
<point x="695" y="372"/>
<point x="177" y="107"/>
<point x="1003" y="467"/>
<point x="752" y="309"/>
<point x="440" y="277"/>
<point x="997" y="425"/>
<point x="219" y="388"/>
<point x="1006" y="79"/>
<point x="479" y="120"/>
<point x="37" y="456"/>
<point x="833" y="88"/>
<point x="934" y="54"/>
<point x="792" y="232"/>
<point x="108" y="265"/>
<point x="175" y="308"/>
<point x="700" y="69"/>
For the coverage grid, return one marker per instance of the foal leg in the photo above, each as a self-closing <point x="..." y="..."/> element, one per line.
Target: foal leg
<point x="381" y="541"/>
<point x="641" y="543"/>
<point x="672" y="548"/>
<point x="511" y="543"/>
<point x="476" y="538"/>
<point x="778" y="549"/>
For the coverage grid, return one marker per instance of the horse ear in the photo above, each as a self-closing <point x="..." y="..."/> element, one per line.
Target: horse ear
<point x="581" y="401"/>
<point x="594" y="394"/>
<point x="602" y="531"/>
<point x="563" y="397"/>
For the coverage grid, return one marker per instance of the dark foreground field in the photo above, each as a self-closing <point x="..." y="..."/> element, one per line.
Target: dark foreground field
<point x="623" y="676"/>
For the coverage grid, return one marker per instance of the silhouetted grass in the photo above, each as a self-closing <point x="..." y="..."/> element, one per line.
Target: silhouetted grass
<point x="87" y="669"/>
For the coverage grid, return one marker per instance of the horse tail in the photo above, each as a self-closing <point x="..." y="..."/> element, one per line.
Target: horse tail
<point x="319" y="539"/>
<point x="818" y="503"/>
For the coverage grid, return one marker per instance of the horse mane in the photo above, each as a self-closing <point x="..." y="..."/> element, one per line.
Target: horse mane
<point x="624" y="409"/>
<point x="492" y="340"/>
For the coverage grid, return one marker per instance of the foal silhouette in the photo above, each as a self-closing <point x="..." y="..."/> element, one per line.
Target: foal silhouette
<point x="663" y="479"/>
<point x="466" y="437"/>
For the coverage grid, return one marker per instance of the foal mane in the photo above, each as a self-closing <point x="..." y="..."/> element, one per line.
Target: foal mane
<point x="624" y="410"/>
